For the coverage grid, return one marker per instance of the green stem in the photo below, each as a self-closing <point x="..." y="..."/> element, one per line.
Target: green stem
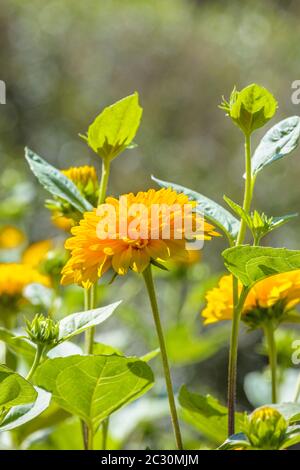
<point x="90" y="442"/>
<point x="89" y="304"/>
<point x="153" y="301"/>
<point x="238" y="303"/>
<point x="105" y="426"/>
<point x="36" y="361"/>
<point x="269" y="333"/>
<point x="104" y="181"/>
<point x="248" y="190"/>
<point x="232" y="366"/>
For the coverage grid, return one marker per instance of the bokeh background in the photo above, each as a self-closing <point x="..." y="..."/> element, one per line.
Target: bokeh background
<point x="63" y="61"/>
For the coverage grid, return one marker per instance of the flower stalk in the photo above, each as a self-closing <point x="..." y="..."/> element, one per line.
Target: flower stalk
<point x="153" y="301"/>
<point x="271" y="345"/>
<point x="36" y="361"/>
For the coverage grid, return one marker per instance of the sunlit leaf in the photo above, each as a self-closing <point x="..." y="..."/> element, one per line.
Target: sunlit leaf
<point x="250" y="264"/>
<point x="14" y="389"/>
<point x="115" y="128"/>
<point x="56" y="182"/>
<point x="278" y="142"/>
<point x="93" y="387"/>
<point x="219" y="216"/>
<point x="21" y="414"/>
<point x="207" y="415"/>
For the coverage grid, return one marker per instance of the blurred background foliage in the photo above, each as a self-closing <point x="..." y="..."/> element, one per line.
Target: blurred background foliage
<point x="63" y="61"/>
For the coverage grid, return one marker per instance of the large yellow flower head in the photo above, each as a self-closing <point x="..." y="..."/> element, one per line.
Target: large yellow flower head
<point x="281" y="290"/>
<point x="145" y="230"/>
<point x="14" y="277"/>
<point x="64" y="216"/>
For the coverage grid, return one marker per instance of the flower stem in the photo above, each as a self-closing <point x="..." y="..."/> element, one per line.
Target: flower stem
<point x="89" y="304"/>
<point x="36" y="361"/>
<point x="232" y="366"/>
<point x="105" y="426"/>
<point x="153" y="301"/>
<point x="269" y="333"/>
<point x="104" y="181"/>
<point x="238" y="303"/>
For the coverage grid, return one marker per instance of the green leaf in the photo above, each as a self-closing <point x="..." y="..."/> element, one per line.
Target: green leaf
<point x="278" y="142"/>
<point x="250" y="264"/>
<point x="207" y="415"/>
<point x="184" y="347"/>
<point x="279" y="221"/>
<point x="78" y="322"/>
<point x="250" y="108"/>
<point x="93" y="387"/>
<point x="238" y="210"/>
<point x="150" y="355"/>
<point x="56" y="182"/>
<point x="21" y="414"/>
<point x="17" y="344"/>
<point x="115" y="128"/>
<point x="100" y="349"/>
<point x="212" y="211"/>
<point x="14" y="389"/>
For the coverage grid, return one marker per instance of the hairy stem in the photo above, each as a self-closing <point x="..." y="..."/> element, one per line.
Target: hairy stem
<point x="153" y="301"/>
<point x="271" y="344"/>
<point x="237" y="304"/>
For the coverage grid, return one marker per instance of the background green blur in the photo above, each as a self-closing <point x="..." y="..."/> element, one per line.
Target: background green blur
<point x="63" y="61"/>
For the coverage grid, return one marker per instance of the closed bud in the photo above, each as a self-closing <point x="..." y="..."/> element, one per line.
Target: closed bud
<point x="250" y="108"/>
<point x="42" y="330"/>
<point x="266" y="428"/>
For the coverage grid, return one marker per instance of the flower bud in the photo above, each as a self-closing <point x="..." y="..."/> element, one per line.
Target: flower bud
<point x="266" y="428"/>
<point x="42" y="330"/>
<point x="250" y="108"/>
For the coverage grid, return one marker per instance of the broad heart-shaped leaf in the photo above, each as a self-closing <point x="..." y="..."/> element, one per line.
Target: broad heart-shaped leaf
<point x="78" y="322"/>
<point x="278" y="142"/>
<point x="14" y="389"/>
<point x="250" y="264"/>
<point x="212" y="211"/>
<point x="93" y="387"/>
<point x="207" y="415"/>
<point x="21" y="414"/>
<point x="115" y="128"/>
<point x="56" y="182"/>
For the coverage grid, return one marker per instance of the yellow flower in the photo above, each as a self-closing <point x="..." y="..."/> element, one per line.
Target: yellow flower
<point x="35" y="254"/>
<point x="92" y="256"/>
<point x="64" y="216"/>
<point x="283" y="289"/>
<point x="15" y="276"/>
<point x="11" y="237"/>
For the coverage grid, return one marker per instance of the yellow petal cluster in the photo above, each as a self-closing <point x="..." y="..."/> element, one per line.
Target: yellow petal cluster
<point x="266" y="293"/>
<point x="14" y="277"/>
<point x="92" y="256"/>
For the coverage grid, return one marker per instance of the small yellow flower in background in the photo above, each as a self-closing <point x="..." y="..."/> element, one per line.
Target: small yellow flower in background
<point x="11" y="237"/>
<point x="281" y="290"/>
<point x="14" y="277"/>
<point x="35" y="254"/>
<point x="92" y="256"/>
<point x="64" y="216"/>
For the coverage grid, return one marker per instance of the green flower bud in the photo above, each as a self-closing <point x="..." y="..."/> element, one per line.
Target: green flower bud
<point x="42" y="330"/>
<point x="250" y="108"/>
<point x="266" y="428"/>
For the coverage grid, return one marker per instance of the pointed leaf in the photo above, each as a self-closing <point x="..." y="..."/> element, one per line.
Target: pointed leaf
<point x="17" y="344"/>
<point x="278" y="142"/>
<point x="250" y="264"/>
<point x="212" y="211"/>
<point x="56" y="182"/>
<point x="78" y="322"/>
<point x="115" y="128"/>
<point x="93" y="387"/>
